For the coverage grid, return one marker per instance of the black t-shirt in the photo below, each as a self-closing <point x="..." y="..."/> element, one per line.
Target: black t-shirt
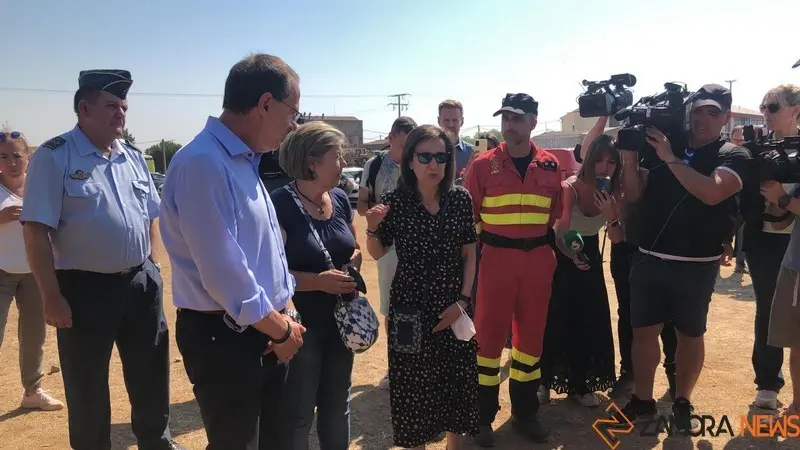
<point x="676" y="223"/>
<point x="522" y="164"/>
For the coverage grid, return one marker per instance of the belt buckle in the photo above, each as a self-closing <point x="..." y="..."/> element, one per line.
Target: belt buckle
<point x="125" y="271"/>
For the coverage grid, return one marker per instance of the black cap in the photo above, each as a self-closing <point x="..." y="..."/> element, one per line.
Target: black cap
<point x="714" y="95"/>
<point x="519" y="104"/>
<point x="115" y="82"/>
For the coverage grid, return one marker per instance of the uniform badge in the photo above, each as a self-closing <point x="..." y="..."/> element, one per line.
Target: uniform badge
<point x="79" y="175"/>
<point x="550" y="165"/>
<point x="54" y="143"/>
<point x="494" y="166"/>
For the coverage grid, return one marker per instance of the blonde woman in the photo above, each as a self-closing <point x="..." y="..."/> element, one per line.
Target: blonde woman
<point x="16" y="279"/>
<point x="319" y="374"/>
<point x="766" y="242"/>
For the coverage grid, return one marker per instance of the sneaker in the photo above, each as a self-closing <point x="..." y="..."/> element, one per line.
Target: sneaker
<point x="637" y="409"/>
<point x="766" y="400"/>
<point x="682" y="411"/>
<point x="543" y="394"/>
<point x="623" y="386"/>
<point x="485" y="437"/>
<point x="589" y="400"/>
<point x="384" y="383"/>
<point x="41" y="400"/>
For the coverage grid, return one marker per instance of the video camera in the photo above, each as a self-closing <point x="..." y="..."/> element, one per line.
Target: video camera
<point x="604" y="98"/>
<point x="783" y="167"/>
<point x="665" y="111"/>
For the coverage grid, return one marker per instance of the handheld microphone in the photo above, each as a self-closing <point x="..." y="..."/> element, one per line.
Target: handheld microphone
<point x="574" y="241"/>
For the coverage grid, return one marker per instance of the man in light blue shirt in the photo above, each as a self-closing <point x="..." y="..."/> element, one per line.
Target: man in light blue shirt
<point x="451" y="119"/>
<point x="236" y="325"/>
<point x="89" y="215"/>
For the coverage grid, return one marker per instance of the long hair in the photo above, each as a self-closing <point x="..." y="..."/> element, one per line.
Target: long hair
<point x="603" y="145"/>
<point x="408" y="180"/>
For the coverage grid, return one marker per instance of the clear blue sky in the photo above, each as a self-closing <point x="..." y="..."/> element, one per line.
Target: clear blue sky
<point x="352" y="54"/>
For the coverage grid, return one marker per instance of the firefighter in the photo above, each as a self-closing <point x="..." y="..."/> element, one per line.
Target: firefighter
<point x="516" y="197"/>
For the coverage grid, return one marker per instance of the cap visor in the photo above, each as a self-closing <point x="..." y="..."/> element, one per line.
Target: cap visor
<point x="509" y="109"/>
<point x="707" y="102"/>
<point x="796" y="65"/>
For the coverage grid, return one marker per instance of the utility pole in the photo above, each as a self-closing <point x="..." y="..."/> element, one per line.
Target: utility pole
<point x="730" y="88"/>
<point x="164" y="155"/>
<point x="399" y="105"/>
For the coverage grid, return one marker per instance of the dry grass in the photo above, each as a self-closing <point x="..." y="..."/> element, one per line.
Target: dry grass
<point x="725" y="387"/>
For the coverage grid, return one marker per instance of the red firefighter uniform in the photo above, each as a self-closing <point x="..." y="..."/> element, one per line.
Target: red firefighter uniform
<point x="514" y="216"/>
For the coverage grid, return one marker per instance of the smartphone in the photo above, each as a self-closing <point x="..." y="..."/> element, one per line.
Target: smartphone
<point x="481" y="146"/>
<point x="604" y="184"/>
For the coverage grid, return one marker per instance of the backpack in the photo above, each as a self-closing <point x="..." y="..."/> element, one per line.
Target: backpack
<point x="372" y="176"/>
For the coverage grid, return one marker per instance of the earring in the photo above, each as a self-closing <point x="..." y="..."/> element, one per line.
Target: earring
<point x="313" y="175"/>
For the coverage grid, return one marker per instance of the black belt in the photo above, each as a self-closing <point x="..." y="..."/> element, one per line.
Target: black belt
<point x="127" y="271"/>
<point x="524" y="244"/>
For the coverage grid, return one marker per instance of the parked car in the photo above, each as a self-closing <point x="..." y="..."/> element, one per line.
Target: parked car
<point x="353" y="175"/>
<point x="158" y="181"/>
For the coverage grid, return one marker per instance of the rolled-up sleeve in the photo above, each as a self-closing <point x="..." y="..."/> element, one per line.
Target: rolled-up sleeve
<point x="44" y="189"/>
<point x="207" y="220"/>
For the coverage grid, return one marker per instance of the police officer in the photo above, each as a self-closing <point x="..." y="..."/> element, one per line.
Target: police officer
<point x="88" y="217"/>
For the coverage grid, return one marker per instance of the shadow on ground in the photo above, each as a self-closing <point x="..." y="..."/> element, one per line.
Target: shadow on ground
<point x="736" y="286"/>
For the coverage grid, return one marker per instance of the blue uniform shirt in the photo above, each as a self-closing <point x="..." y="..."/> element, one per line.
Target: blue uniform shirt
<point x="463" y="154"/>
<point x="99" y="208"/>
<point x="220" y="230"/>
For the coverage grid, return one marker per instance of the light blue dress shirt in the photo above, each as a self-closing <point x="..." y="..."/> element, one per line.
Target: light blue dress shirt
<point x="220" y="230"/>
<point x="99" y="208"/>
<point x="463" y="154"/>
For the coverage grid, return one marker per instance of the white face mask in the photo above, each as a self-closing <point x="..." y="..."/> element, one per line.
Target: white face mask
<point x="463" y="327"/>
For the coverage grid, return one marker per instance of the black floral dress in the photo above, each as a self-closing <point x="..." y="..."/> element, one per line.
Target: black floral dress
<point x="435" y="390"/>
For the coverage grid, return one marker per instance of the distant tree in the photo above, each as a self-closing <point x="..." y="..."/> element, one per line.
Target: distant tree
<point x="128" y="136"/>
<point x="159" y="150"/>
<point x="494" y="132"/>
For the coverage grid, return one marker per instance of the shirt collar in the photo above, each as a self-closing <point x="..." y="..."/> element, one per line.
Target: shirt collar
<point x="232" y="144"/>
<point x="85" y="146"/>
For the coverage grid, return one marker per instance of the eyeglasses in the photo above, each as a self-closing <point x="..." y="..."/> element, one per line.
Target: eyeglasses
<point x="771" y="107"/>
<point x="427" y="157"/>
<point x="10" y="135"/>
<point x="297" y="114"/>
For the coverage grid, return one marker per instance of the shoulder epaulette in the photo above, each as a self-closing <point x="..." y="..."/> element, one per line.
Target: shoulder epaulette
<point x="54" y="143"/>
<point x="130" y="145"/>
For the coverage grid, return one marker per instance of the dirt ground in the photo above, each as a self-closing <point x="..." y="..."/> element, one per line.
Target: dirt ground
<point x="725" y="388"/>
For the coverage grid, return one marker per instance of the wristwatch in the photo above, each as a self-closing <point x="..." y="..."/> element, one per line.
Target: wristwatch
<point x="783" y="202"/>
<point x="293" y="314"/>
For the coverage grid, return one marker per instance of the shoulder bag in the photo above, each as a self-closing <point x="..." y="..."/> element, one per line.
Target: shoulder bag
<point x="356" y="320"/>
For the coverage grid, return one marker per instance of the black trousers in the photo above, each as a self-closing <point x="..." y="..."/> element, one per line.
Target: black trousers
<point x="126" y="310"/>
<point x="622" y="255"/>
<point x="239" y="390"/>
<point x="764" y="260"/>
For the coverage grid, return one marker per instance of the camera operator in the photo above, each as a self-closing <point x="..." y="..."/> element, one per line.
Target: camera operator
<point x="686" y="205"/>
<point x="781" y="109"/>
<point x="623" y="254"/>
<point x="766" y="241"/>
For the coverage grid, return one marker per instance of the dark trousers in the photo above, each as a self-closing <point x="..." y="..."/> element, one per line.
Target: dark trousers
<point x="126" y="310"/>
<point x="320" y="377"/>
<point x="764" y="261"/>
<point x="239" y="390"/>
<point x="622" y="256"/>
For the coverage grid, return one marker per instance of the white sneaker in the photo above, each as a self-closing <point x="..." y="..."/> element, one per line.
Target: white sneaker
<point x="766" y="400"/>
<point x="384" y="383"/>
<point x="543" y="394"/>
<point x="588" y="400"/>
<point x="42" y="400"/>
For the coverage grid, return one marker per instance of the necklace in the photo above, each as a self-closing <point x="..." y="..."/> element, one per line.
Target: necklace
<point x="320" y="210"/>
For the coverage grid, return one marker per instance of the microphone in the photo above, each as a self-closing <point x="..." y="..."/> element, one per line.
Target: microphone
<point x="574" y="241"/>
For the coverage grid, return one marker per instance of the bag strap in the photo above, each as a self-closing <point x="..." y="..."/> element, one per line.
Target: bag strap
<point x="299" y="203"/>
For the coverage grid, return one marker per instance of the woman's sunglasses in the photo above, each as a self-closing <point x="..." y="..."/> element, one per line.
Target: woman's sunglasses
<point x="427" y="157"/>
<point x="772" y="108"/>
<point x="10" y="135"/>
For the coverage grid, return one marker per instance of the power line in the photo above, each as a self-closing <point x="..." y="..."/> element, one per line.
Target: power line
<point x="399" y="104"/>
<point x="179" y="94"/>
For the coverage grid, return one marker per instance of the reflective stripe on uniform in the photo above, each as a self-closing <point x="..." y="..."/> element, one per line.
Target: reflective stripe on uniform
<point x="488" y="371"/>
<point x="524" y="367"/>
<point x="515" y="218"/>
<point x="517" y="199"/>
